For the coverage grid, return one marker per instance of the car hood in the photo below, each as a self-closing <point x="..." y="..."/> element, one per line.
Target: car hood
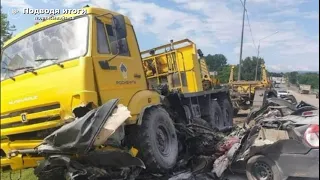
<point x="79" y="135"/>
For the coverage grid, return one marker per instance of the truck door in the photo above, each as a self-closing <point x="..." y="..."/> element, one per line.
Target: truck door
<point x="117" y="76"/>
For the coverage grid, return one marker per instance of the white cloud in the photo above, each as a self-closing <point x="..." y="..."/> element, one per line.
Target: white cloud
<point x="214" y="23"/>
<point x="70" y="3"/>
<point x="15" y="4"/>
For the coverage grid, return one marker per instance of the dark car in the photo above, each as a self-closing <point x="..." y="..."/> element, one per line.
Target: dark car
<point x="281" y="148"/>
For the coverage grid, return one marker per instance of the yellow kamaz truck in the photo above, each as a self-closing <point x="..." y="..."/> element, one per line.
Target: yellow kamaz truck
<point x="58" y="70"/>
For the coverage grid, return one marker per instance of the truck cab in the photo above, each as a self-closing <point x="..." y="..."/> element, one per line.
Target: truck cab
<point x="57" y="70"/>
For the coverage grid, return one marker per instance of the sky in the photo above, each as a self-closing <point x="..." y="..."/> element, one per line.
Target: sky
<point x="291" y="27"/>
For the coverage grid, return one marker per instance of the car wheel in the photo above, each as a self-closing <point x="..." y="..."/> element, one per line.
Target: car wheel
<point x="262" y="168"/>
<point x="157" y="141"/>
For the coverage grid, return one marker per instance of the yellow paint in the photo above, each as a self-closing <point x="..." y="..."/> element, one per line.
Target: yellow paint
<point x="181" y="60"/>
<point x="134" y="151"/>
<point x="250" y="86"/>
<point x="19" y="162"/>
<point x="81" y="81"/>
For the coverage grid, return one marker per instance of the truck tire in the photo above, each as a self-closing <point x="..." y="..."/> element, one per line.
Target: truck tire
<point x="260" y="167"/>
<point x="157" y="141"/>
<point x="216" y="116"/>
<point x="227" y="112"/>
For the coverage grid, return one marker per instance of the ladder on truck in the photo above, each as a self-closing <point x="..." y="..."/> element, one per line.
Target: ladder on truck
<point x="167" y="67"/>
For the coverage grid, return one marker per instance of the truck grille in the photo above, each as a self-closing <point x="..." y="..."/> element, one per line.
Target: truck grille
<point x="33" y="121"/>
<point x="30" y="111"/>
<point x="33" y="116"/>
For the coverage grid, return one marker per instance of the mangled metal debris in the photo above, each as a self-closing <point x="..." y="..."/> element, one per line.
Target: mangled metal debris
<point x="273" y="140"/>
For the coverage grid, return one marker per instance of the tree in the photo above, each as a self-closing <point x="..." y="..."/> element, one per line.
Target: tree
<point x="216" y="62"/>
<point x="309" y="78"/>
<point x="248" y="69"/>
<point x="274" y="74"/>
<point x="293" y="77"/>
<point x="6" y="28"/>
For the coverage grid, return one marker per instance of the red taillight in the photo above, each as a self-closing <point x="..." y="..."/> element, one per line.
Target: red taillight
<point x="312" y="135"/>
<point x="307" y="114"/>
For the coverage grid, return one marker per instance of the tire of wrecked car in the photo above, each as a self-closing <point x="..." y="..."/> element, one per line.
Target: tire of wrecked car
<point x="157" y="141"/>
<point x="260" y="167"/>
<point x="216" y="119"/>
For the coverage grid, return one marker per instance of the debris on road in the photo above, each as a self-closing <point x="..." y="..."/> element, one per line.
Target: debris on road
<point x="270" y="144"/>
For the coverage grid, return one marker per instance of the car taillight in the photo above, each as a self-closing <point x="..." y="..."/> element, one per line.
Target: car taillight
<point x="312" y="135"/>
<point x="308" y="114"/>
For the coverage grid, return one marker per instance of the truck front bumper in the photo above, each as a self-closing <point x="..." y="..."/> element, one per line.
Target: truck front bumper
<point x="18" y="162"/>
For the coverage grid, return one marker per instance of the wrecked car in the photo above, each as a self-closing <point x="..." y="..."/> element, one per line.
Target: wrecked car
<point x="279" y="146"/>
<point x="78" y="150"/>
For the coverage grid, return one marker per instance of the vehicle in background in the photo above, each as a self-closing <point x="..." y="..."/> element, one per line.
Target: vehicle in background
<point x="285" y="94"/>
<point x="282" y="93"/>
<point x="317" y="95"/>
<point x="304" y="88"/>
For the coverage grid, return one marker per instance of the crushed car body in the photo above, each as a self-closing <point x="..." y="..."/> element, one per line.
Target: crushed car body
<point x="269" y="145"/>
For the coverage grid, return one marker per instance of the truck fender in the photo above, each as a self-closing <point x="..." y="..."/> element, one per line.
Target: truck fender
<point x="141" y="101"/>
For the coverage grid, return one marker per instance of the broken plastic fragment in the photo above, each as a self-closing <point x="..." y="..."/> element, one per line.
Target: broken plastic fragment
<point x="120" y="115"/>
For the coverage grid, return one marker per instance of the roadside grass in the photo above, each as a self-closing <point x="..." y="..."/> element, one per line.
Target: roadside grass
<point x="26" y="174"/>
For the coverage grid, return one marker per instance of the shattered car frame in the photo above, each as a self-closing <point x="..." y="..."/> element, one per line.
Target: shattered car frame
<point x="278" y="145"/>
<point x="78" y="150"/>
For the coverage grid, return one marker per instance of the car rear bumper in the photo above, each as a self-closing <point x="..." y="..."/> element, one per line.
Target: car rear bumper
<point x="18" y="162"/>
<point x="300" y="165"/>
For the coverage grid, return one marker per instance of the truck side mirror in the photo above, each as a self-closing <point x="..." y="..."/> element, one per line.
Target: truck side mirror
<point x="119" y="25"/>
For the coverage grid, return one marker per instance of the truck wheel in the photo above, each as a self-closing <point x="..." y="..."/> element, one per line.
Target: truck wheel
<point x="262" y="168"/>
<point x="227" y="113"/>
<point x="216" y="116"/>
<point x="157" y="141"/>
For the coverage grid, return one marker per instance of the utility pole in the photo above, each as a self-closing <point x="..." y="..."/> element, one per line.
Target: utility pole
<point x="244" y="12"/>
<point x="256" y="74"/>
<point x="255" y="77"/>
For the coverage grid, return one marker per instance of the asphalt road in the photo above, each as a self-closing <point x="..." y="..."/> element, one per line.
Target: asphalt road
<point x="308" y="98"/>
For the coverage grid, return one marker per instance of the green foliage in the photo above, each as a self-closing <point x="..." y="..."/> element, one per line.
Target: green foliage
<point x="309" y="78"/>
<point x="6" y="28"/>
<point x="293" y="77"/>
<point x="218" y="62"/>
<point x="26" y="174"/>
<point x="305" y="78"/>
<point x="248" y="68"/>
<point x="274" y="74"/>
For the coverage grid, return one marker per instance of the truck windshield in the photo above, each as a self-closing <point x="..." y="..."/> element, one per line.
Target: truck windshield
<point x="63" y="41"/>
